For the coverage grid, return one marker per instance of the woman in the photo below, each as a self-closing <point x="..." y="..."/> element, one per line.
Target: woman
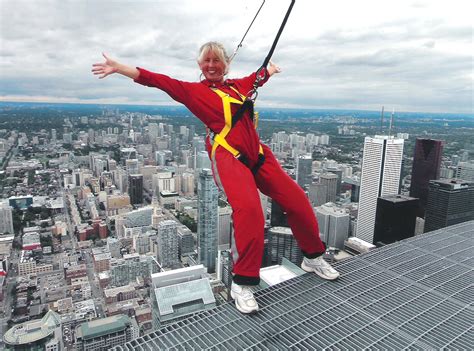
<point x="241" y="165"/>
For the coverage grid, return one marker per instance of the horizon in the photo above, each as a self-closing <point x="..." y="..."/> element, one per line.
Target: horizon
<point x="180" y="106"/>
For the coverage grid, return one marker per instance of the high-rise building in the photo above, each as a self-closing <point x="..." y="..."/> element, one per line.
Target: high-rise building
<point x="225" y="227"/>
<point x="381" y="167"/>
<point x="207" y="223"/>
<point x="127" y="153"/>
<point x="426" y="167"/>
<point x="333" y="225"/>
<point x="132" y="166"/>
<point x="318" y="193"/>
<point x="202" y="160"/>
<point x="338" y="172"/>
<point x="6" y="218"/>
<point x="153" y="131"/>
<point x="135" y="188"/>
<point x="185" y="240"/>
<point x="449" y="202"/>
<point x="395" y="219"/>
<point x="465" y="171"/>
<point x="330" y="181"/>
<point x="303" y="170"/>
<point x="125" y="270"/>
<point x="168" y="245"/>
<point x="282" y="243"/>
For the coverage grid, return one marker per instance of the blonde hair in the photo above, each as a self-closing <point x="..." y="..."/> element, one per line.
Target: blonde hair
<point x="218" y="49"/>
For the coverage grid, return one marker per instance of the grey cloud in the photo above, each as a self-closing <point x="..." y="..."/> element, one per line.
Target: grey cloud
<point x="49" y="45"/>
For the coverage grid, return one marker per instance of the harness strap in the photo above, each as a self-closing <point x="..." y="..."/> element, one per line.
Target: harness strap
<point x="219" y="139"/>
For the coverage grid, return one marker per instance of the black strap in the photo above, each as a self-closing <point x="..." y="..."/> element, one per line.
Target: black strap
<point x="261" y="72"/>
<point x="247" y="105"/>
<point x="261" y="160"/>
<point x="275" y="42"/>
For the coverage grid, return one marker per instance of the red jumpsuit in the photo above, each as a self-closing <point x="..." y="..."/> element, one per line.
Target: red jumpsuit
<point x="237" y="181"/>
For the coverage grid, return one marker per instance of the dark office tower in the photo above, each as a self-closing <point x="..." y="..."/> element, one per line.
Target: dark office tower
<point x="449" y="202"/>
<point x="395" y="218"/>
<point x="282" y="243"/>
<point x="303" y="170"/>
<point x="355" y="191"/>
<point x="330" y="180"/>
<point x="135" y="188"/>
<point x="426" y="167"/>
<point x="277" y="216"/>
<point x="337" y="172"/>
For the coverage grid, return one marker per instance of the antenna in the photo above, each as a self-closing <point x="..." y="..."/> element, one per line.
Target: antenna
<point x="391" y="122"/>
<point x="381" y="121"/>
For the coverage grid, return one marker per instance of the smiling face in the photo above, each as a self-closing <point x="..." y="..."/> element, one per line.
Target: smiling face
<point x="212" y="67"/>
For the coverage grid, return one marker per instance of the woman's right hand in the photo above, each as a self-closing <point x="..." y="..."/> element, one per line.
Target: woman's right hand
<point x="105" y="68"/>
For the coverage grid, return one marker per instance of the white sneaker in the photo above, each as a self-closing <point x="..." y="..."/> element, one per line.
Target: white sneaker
<point x="319" y="266"/>
<point x="244" y="300"/>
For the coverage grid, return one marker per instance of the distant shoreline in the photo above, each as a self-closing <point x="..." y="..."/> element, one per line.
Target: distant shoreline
<point x="301" y="112"/>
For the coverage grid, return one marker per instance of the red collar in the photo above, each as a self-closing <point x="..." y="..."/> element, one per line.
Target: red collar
<point x="210" y="84"/>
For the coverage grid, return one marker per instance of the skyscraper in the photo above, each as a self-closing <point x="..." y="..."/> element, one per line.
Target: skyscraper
<point x="465" y="171"/>
<point x="333" y="225"/>
<point x="395" y="219"/>
<point x="168" y="244"/>
<point x="225" y="227"/>
<point x="330" y="181"/>
<point x="135" y="188"/>
<point x="381" y="167"/>
<point x="207" y="224"/>
<point x="6" y="218"/>
<point x="426" y="167"/>
<point x="303" y="170"/>
<point x="282" y="243"/>
<point x="318" y="194"/>
<point x="338" y="172"/>
<point x="449" y="202"/>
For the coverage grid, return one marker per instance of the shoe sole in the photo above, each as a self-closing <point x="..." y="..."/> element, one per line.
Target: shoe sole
<point x="309" y="270"/>
<point x="240" y="308"/>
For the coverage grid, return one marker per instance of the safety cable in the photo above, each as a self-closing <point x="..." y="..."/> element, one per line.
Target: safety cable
<point x="261" y="73"/>
<point x="243" y="38"/>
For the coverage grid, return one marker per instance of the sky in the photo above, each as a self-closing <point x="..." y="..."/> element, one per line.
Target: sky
<point x="340" y="54"/>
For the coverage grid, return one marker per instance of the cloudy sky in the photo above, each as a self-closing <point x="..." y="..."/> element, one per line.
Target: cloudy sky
<point x="408" y="55"/>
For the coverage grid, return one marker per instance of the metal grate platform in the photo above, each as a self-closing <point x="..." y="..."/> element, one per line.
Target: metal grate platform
<point x="414" y="294"/>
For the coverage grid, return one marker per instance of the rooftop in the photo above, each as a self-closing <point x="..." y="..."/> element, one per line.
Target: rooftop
<point x="32" y="331"/>
<point x="103" y="326"/>
<point x="416" y="293"/>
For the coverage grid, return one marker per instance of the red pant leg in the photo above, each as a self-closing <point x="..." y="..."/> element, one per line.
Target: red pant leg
<point x="274" y="182"/>
<point x="238" y="184"/>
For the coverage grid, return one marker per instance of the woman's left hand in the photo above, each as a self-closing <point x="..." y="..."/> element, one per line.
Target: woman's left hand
<point x="272" y="69"/>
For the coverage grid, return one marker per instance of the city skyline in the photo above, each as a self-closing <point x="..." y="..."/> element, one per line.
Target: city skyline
<point x="409" y="55"/>
<point x="77" y="243"/>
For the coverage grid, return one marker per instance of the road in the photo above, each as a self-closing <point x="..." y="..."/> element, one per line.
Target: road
<point x="96" y="290"/>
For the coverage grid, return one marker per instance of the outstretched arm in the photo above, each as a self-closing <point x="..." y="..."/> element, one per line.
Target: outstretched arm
<point x="111" y="66"/>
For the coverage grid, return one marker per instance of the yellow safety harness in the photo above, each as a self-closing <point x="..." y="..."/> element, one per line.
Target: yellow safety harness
<point x="219" y="138"/>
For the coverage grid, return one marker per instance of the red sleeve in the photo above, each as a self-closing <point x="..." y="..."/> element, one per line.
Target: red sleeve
<point x="176" y="89"/>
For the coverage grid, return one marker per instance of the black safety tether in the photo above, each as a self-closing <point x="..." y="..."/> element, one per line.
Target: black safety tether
<point x="261" y="73"/>
<point x="252" y="95"/>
